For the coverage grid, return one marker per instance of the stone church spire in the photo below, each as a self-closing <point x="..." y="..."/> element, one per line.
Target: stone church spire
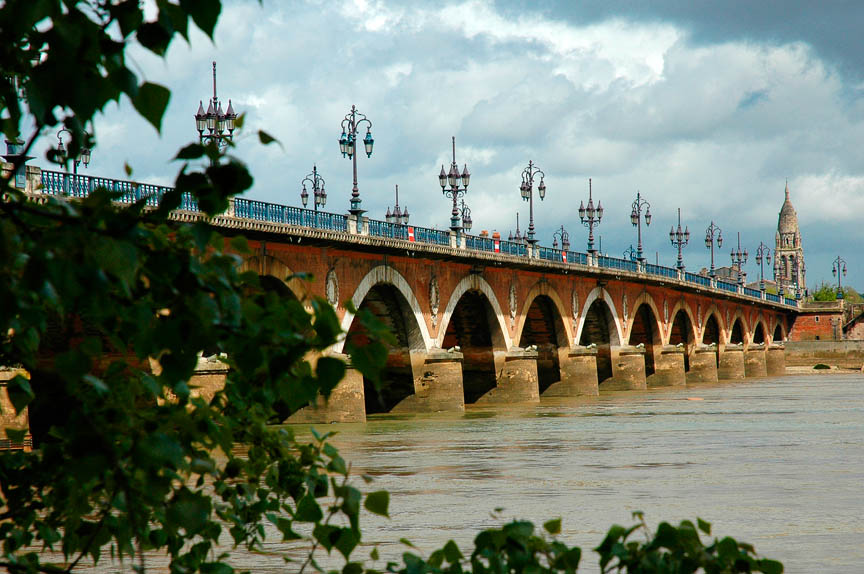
<point x="789" y="268"/>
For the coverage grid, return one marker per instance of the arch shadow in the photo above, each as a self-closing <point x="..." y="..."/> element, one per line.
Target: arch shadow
<point x="542" y="324"/>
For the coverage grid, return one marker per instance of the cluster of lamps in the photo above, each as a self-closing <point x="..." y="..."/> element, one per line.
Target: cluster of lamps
<point x="218" y="124"/>
<point x="739" y="258"/>
<point x="590" y="217"/>
<point x="454" y="186"/>
<point x="62" y="153"/>
<point x="318" y="191"/>
<point x="564" y="237"/>
<point x="526" y="190"/>
<point x="838" y="269"/>
<point x="398" y="216"/>
<point x="679" y="239"/>
<point x="348" y="146"/>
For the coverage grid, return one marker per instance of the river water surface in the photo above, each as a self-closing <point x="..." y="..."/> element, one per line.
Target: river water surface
<point x="777" y="462"/>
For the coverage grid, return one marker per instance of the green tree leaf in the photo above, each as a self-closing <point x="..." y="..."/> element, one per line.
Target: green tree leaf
<point x="20" y="392"/>
<point x="378" y="503"/>
<point x="553" y="527"/>
<point x="151" y="102"/>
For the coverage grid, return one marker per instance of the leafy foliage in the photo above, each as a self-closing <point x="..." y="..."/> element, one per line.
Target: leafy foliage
<point x="109" y="309"/>
<point x="828" y="292"/>
<point x="517" y="548"/>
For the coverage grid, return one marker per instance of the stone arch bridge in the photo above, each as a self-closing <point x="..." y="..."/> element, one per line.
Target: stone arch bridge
<point x="476" y="326"/>
<point x="481" y="320"/>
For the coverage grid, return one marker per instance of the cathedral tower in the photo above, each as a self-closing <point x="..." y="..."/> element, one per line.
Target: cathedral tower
<point x="789" y="269"/>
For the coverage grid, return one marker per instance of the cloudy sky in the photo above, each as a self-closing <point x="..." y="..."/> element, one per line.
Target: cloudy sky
<point x="709" y="107"/>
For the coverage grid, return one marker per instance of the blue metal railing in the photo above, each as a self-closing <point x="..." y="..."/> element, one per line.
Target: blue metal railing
<point x="433" y="236"/>
<point x="77" y="185"/>
<point x="550" y="254"/>
<point x="698" y="279"/>
<point x="615" y="263"/>
<point x="577" y="257"/>
<point x="753" y="292"/>
<point x="514" y="248"/>
<point x="662" y="271"/>
<point x="389" y="230"/>
<point x="275" y="213"/>
<point x="479" y="243"/>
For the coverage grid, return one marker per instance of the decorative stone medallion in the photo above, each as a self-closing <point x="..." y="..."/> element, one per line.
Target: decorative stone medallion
<point x="665" y="311"/>
<point x="624" y="306"/>
<point x="332" y="287"/>
<point x="434" y="300"/>
<point x="574" y="304"/>
<point x="512" y="305"/>
<point x="699" y="316"/>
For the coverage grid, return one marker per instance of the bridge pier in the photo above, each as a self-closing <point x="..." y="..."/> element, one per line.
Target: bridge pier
<point x="628" y="369"/>
<point x="775" y="361"/>
<point x="578" y="366"/>
<point x="8" y="418"/>
<point x="731" y="365"/>
<point x="517" y="379"/>
<point x="668" y="368"/>
<point x="754" y="362"/>
<point x="703" y="365"/>
<point x="347" y="403"/>
<point x="438" y="388"/>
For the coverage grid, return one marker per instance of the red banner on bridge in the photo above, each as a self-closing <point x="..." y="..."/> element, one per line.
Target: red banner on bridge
<point x="410" y="234"/>
<point x="497" y="245"/>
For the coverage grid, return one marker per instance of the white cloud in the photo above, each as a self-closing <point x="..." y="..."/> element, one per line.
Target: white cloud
<point x="713" y="128"/>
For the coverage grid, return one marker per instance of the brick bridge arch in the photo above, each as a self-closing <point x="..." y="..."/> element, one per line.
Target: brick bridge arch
<point x="615" y="336"/>
<point x="691" y="334"/>
<point x="541" y="323"/>
<point x="473" y="282"/>
<point x="645" y="298"/>
<point x="384" y="274"/>
<point x="740" y="318"/>
<point x="714" y="312"/>
<point x="268" y="265"/>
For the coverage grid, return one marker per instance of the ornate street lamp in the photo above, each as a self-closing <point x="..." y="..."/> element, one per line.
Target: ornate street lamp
<point x="466" y="216"/>
<point x="348" y="147"/>
<point x="219" y="125"/>
<point x="630" y="253"/>
<point x="713" y="234"/>
<point x="679" y="239"/>
<point x="458" y="188"/>
<point x="527" y="192"/>
<point x="398" y="216"/>
<point x="590" y="217"/>
<point x="636" y="220"/>
<point x="763" y="257"/>
<point x="62" y="153"/>
<point x="518" y="237"/>
<point x="739" y="258"/>
<point x="564" y="237"/>
<point x="838" y="268"/>
<point x="318" y="192"/>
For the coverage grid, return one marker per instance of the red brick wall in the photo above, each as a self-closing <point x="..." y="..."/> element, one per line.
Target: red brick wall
<point x="856" y="332"/>
<point x="817" y="327"/>
<point x="352" y="266"/>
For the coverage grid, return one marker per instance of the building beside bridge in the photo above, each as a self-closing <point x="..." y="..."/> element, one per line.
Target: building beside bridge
<point x="790" y="273"/>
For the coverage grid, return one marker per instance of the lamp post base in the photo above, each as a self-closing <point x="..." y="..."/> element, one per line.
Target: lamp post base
<point x="355" y="207"/>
